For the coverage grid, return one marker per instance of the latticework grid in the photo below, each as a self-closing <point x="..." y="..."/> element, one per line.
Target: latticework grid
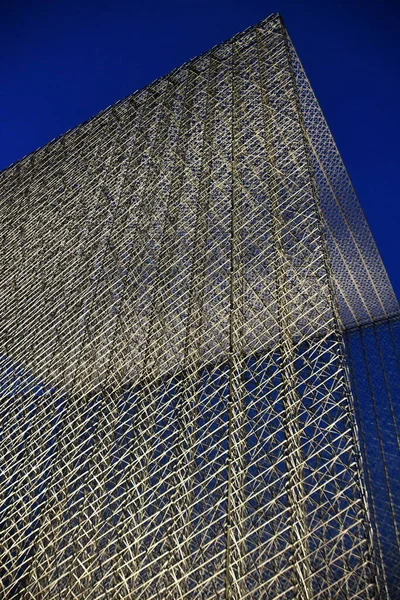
<point x="374" y="360"/>
<point x="177" y="415"/>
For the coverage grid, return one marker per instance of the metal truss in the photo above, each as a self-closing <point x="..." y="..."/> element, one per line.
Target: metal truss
<point x="176" y="276"/>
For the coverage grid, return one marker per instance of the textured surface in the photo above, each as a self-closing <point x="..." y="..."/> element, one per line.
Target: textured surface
<point x="374" y="360"/>
<point x="177" y="418"/>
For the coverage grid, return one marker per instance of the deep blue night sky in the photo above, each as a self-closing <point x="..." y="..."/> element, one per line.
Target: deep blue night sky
<point x="63" y="61"/>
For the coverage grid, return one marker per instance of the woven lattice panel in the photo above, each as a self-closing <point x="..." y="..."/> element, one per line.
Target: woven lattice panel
<point x="177" y="419"/>
<point x="374" y="358"/>
<point x="363" y="290"/>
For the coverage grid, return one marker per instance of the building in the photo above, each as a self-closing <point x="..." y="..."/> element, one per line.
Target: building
<point x="188" y="286"/>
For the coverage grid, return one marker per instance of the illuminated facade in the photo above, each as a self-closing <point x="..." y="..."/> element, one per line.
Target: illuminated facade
<point x="181" y="279"/>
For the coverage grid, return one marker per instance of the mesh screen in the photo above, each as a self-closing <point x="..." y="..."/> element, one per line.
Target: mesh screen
<point x="373" y="354"/>
<point x="177" y="415"/>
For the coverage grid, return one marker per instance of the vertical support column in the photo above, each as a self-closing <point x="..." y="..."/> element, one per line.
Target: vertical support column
<point x="236" y="545"/>
<point x="228" y="572"/>
<point x="291" y="402"/>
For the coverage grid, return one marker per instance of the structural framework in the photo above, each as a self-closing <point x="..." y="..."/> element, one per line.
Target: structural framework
<point x="196" y="398"/>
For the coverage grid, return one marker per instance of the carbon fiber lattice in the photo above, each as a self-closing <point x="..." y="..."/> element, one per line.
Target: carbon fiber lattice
<point x="176" y="411"/>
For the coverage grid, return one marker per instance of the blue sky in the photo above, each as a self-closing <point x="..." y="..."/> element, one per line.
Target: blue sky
<point x="63" y="61"/>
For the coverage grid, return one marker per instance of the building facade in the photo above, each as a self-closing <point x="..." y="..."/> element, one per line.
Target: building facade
<point x="197" y="399"/>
